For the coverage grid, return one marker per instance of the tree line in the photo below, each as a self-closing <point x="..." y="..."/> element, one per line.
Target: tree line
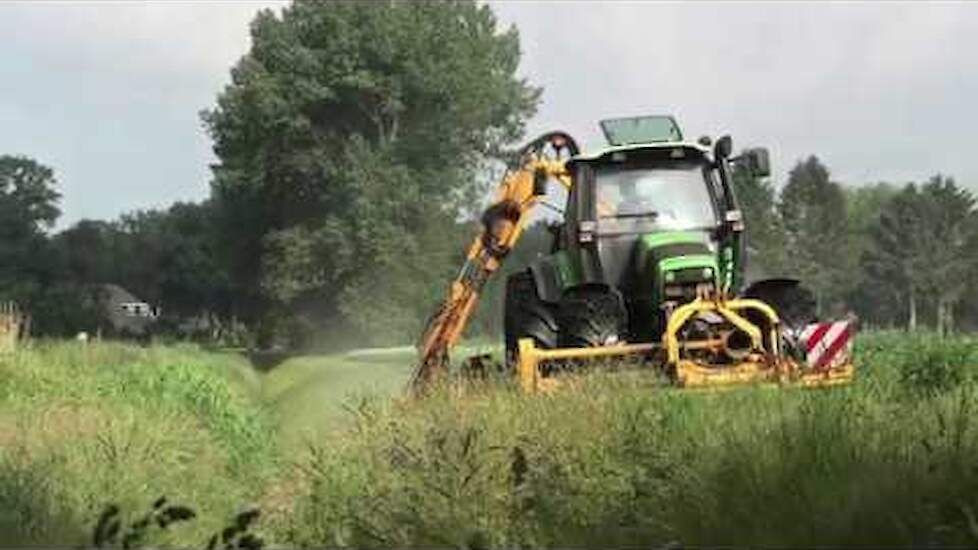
<point x="354" y="142"/>
<point x="896" y="255"/>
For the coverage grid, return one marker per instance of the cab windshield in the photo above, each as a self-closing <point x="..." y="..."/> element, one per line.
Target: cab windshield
<point x="673" y="195"/>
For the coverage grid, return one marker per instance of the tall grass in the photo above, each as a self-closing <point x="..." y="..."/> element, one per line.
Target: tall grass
<point x="888" y="461"/>
<point x="81" y="426"/>
<point x="611" y="461"/>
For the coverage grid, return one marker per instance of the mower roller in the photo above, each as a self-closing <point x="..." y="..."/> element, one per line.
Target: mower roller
<point x="648" y="262"/>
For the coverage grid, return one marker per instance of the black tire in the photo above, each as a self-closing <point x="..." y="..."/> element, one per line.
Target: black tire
<point x="794" y="304"/>
<point x="526" y="315"/>
<point x="591" y="316"/>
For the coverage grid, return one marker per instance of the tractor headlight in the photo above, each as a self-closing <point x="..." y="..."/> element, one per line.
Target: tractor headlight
<point x="670" y="276"/>
<point x="707" y="272"/>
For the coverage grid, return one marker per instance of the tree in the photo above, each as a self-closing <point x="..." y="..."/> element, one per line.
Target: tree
<point x="88" y="252"/>
<point x="813" y="211"/>
<point x="166" y="257"/>
<point x="925" y="245"/>
<point x="27" y="193"/>
<point x="765" y="232"/>
<point x="349" y="131"/>
<point x="893" y="255"/>
<point x="28" y="208"/>
<point x="875" y="303"/>
<point x="952" y="245"/>
<point x="169" y="258"/>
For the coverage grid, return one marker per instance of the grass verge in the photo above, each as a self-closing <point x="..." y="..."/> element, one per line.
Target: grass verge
<point x="887" y="461"/>
<point x="86" y="425"/>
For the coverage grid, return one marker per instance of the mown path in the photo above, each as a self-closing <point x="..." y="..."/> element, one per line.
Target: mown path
<point x="310" y="393"/>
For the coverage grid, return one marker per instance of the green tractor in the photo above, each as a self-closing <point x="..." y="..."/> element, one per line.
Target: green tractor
<point x="651" y="225"/>
<point x="650" y="260"/>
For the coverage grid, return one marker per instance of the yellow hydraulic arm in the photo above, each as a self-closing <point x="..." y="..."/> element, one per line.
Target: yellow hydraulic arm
<point x="503" y="222"/>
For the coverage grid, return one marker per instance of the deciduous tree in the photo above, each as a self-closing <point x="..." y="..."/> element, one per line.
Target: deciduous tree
<point x="765" y="232"/>
<point x="28" y="208"/>
<point x="813" y="211"/>
<point x="349" y="130"/>
<point x="924" y="248"/>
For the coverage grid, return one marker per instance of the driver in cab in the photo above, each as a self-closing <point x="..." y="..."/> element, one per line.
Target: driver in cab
<point x="616" y="198"/>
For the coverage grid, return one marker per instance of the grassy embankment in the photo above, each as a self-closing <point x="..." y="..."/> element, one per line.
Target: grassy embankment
<point x="888" y="461"/>
<point x="81" y="426"/>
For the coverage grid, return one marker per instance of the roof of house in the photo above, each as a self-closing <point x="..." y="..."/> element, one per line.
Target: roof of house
<point x="115" y="294"/>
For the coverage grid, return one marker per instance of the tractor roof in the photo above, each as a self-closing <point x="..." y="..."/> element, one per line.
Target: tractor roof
<point x="607" y="151"/>
<point x="650" y="132"/>
<point x="641" y="129"/>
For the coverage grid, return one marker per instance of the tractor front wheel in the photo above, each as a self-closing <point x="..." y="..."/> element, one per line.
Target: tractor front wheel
<point x="526" y="315"/>
<point x="591" y="316"/>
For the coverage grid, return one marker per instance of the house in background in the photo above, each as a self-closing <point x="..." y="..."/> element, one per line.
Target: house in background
<point x="126" y="314"/>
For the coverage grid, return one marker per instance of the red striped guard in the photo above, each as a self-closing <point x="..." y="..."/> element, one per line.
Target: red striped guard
<point x="826" y="343"/>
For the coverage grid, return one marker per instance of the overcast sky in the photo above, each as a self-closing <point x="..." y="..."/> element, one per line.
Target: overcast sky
<point x="108" y="94"/>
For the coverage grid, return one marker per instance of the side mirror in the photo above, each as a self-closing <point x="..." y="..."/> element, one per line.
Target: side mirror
<point x="723" y="148"/>
<point x="758" y="162"/>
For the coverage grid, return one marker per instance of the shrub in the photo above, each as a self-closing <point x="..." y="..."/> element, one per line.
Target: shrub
<point x="933" y="365"/>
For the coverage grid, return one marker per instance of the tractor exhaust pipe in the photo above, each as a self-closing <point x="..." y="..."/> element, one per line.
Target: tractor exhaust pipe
<point x="737" y="345"/>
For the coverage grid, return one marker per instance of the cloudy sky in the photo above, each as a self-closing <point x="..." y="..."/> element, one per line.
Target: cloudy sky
<point x="108" y="94"/>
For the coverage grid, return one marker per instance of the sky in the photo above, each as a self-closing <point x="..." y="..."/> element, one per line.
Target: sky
<point x="109" y="94"/>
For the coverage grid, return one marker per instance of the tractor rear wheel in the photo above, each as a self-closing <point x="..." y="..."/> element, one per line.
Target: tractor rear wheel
<point x="794" y="304"/>
<point x="526" y="315"/>
<point x="591" y="316"/>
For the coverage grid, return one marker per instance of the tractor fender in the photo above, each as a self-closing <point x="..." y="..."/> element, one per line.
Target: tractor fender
<point x="794" y="303"/>
<point x="773" y="284"/>
<point x="546" y="278"/>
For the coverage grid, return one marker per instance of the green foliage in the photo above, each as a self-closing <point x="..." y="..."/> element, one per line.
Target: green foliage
<point x="27" y="195"/>
<point x="112" y="530"/>
<point x="876" y="303"/>
<point x="168" y="258"/>
<point x="64" y="309"/>
<point x="813" y="211"/>
<point x="348" y="142"/>
<point x="172" y="259"/>
<point x="28" y="206"/>
<point x="924" y="244"/>
<point x="934" y="365"/>
<point x="31" y="267"/>
<point x="765" y="230"/>
<point x="90" y="251"/>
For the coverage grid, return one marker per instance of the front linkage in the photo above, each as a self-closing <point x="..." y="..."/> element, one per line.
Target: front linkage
<point x="747" y="353"/>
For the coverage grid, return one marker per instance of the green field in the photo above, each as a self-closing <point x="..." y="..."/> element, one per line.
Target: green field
<point x="318" y="445"/>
